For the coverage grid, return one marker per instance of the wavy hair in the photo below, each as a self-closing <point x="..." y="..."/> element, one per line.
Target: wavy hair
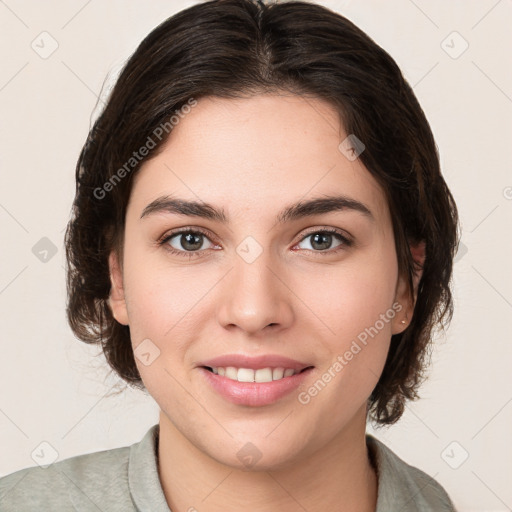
<point x="238" y="48"/>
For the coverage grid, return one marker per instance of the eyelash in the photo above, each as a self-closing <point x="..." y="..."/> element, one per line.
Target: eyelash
<point x="346" y="242"/>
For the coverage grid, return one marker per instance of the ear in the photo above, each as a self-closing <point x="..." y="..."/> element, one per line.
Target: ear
<point x="403" y="295"/>
<point x="116" y="299"/>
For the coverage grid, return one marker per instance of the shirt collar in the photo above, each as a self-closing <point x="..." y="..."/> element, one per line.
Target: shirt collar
<point x="145" y="487"/>
<point x="403" y="487"/>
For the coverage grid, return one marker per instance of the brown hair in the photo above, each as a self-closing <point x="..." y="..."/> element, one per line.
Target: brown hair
<point x="232" y="48"/>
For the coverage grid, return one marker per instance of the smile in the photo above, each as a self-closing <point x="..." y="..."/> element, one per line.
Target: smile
<point x="249" y="375"/>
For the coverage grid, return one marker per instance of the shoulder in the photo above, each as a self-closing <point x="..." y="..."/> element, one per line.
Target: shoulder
<point x="82" y="482"/>
<point x="404" y="486"/>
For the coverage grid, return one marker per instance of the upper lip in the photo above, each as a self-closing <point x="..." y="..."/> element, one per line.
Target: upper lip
<point x="254" y="362"/>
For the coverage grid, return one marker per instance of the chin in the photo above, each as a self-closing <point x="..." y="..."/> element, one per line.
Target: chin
<point x="258" y="454"/>
<point x="254" y="460"/>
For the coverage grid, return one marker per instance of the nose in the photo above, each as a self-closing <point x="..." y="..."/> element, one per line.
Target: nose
<point x="255" y="296"/>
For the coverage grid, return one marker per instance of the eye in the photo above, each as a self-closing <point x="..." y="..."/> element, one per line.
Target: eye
<point x="186" y="242"/>
<point x="322" y="241"/>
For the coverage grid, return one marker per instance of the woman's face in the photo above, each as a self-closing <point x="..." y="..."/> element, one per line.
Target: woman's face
<point x="260" y="282"/>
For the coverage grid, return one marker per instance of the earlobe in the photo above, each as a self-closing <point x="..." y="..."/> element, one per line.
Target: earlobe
<point x="116" y="299"/>
<point x="403" y="297"/>
<point x="403" y="308"/>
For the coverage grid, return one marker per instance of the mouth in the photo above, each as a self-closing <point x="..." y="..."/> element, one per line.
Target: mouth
<point x="261" y="375"/>
<point x="254" y="381"/>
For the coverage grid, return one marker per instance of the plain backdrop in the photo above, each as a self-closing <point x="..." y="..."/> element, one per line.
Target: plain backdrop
<point x="55" y="56"/>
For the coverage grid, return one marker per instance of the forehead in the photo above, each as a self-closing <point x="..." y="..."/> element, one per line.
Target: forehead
<point x="266" y="150"/>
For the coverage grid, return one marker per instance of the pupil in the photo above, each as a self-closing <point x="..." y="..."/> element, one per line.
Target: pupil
<point x="189" y="240"/>
<point x="325" y="240"/>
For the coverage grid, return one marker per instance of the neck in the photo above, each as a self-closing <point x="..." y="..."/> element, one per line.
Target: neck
<point x="338" y="477"/>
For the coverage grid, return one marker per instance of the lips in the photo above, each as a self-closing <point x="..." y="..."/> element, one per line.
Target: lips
<point x="254" y="381"/>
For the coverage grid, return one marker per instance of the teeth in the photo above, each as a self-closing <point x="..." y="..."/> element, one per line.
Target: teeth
<point x="250" y="375"/>
<point x="262" y="375"/>
<point x="231" y="373"/>
<point x="277" y="373"/>
<point x="245" y="375"/>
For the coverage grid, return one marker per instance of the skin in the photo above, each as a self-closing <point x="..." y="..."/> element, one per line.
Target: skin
<point x="253" y="157"/>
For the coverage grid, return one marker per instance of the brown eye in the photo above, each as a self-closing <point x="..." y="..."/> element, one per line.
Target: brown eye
<point x="189" y="241"/>
<point x="323" y="240"/>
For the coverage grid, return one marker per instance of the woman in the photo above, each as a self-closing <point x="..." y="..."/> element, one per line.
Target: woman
<point x="261" y="238"/>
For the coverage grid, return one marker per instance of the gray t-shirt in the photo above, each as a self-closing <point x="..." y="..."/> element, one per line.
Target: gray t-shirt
<point x="126" y="480"/>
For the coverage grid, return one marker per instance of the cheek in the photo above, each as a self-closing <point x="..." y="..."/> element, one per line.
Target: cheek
<point x="160" y="298"/>
<point x="351" y="296"/>
<point x="157" y="301"/>
<point x="355" y="307"/>
<point x="163" y="307"/>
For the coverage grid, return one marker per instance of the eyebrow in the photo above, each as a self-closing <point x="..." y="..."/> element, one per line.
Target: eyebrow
<point x="296" y="211"/>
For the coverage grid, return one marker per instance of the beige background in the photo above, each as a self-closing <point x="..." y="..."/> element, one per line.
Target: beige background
<point x="53" y="389"/>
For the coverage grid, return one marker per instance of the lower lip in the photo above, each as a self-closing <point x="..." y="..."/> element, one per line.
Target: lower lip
<point x="254" y="394"/>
